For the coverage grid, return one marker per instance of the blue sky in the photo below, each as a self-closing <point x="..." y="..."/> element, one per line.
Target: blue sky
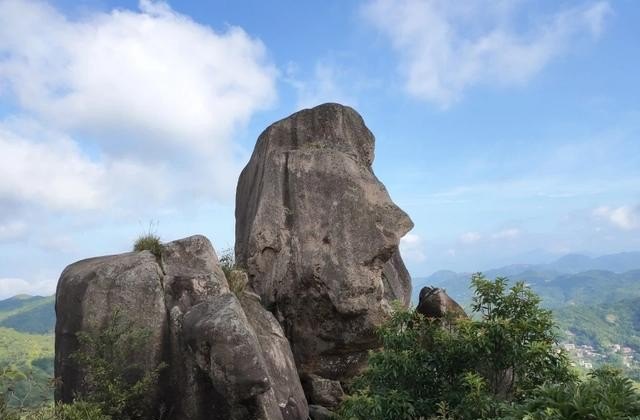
<point x="508" y="130"/>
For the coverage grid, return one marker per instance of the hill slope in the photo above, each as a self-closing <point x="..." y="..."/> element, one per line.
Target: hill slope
<point x="28" y="314"/>
<point x="26" y="347"/>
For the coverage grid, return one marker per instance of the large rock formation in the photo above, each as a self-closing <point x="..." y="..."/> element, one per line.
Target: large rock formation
<point x="318" y="235"/>
<point x="226" y="360"/>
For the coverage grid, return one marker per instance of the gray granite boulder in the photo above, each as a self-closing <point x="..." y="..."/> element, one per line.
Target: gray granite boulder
<point x="322" y="391"/>
<point x="222" y="362"/>
<point x="318" y="235"/>
<point x="88" y="294"/>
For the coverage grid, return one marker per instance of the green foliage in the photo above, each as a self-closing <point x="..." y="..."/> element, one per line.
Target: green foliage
<point x="115" y="380"/>
<point x="79" y="410"/>
<point x="516" y="341"/>
<point x="25" y="368"/>
<point x="465" y="368"/>
<point x="604" y="395"/>
<point x="149" y="242"/>
<point x="227" y="261"/>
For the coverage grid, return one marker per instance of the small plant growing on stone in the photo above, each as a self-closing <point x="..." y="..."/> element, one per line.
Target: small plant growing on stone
<point x="114" y="381"/>
<point x="237" y="280"/>
<point x="236" y="276"/>
<point x="149" y="241"/>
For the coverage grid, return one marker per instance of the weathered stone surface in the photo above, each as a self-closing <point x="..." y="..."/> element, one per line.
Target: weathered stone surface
<point x="322" y="391"/>
<point x="221" y="364"/>
<point x="435" y="303"/>
<point x="319" y="234"/>
<point x="279" y="360"/>
<point x="225" y="347"/>
<point x="192" y="276"/>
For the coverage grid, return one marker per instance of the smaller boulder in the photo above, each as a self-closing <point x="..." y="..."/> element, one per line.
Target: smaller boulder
<point x="218" y="333"/>
<point x="436" y="303"/>
<point x="318" y="412"/>
<point x="322" y="391"/>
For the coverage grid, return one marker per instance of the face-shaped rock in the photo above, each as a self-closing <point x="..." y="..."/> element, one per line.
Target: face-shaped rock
<point x="319" y="234"/>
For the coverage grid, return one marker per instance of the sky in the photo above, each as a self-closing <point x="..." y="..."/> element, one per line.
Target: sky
<point x="509" y="130"/>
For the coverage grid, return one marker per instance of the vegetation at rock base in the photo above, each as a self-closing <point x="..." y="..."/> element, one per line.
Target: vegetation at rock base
<point x="605" y="394"/>
<point x="503" y="363"/>
<point x="114" y="381"/>
<point x="115" y="386"/>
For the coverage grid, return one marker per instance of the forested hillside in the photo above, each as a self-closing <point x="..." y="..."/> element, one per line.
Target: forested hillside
<point x="26" y="347"/>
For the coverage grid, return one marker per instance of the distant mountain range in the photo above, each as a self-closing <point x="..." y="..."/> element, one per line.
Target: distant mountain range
<point x="28" y="314"/>
<point x="570" y="280"/>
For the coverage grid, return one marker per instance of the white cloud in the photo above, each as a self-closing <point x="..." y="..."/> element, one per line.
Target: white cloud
<point x="623" y="217"/>
<point x="10" y="287"/>
<point x="470" y="237"/>
<point x="150" y="92"/>
<point x="446" y="46"/>
<point x="510" y="233"/>
<point x="412" y="248"/>
<point x="52" y="173"/>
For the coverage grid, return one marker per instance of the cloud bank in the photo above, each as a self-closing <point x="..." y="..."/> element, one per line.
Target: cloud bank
<point x="125" y="104"/>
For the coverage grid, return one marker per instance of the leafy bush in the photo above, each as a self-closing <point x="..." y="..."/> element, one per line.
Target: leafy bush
<point x="114" y="381"/>
<point x="604" y="395"/>
<point x="462" y="368"/>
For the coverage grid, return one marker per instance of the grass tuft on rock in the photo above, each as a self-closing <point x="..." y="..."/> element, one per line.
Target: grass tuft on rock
<point x="237" y="280"/>
<point x="236" y="276"/>
<point x="149" y="242"/>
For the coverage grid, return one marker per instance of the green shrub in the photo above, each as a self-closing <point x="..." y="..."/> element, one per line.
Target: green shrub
<point x="463" y="368"/>
<point x="114" y="381"/>
<point x="605" y="394"/>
